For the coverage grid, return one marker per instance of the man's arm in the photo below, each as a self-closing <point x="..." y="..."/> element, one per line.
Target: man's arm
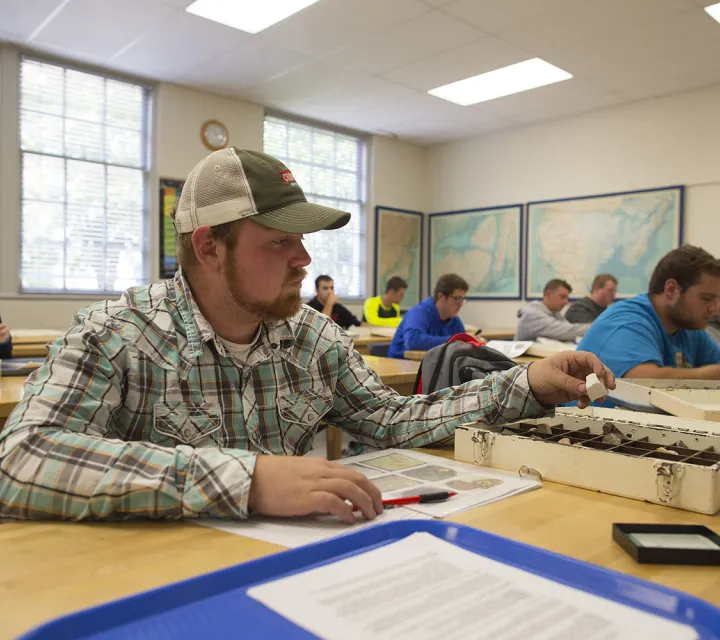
<point x="416" y="336"/>
<point x="60" y="457"/>
<point x="370" y="311"/>
<point x="376" y="415"/>
<point x="346" y="318"/>
<point x="545" y="326"/>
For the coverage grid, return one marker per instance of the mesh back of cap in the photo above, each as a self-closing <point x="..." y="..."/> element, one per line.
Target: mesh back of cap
<point x="217" y="179"/>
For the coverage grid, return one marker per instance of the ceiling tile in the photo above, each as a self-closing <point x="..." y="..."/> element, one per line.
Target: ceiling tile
<point x="436" y="3"/>
<point x="493" y="16"/>
<point x="588" y="20"/>
<point x="472" y="59"/>
<point x="304" y="84"/>
<point x="179" y="43"/>
<point x="101" y="27"/>
<point x="331" y="24"/>
<point x="249" y="64"/>
<point x="552" y="101"/>
<point x="20" y="17"/>
<point x="421" y="37"/>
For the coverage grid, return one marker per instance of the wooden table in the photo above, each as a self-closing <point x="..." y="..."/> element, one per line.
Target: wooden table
<point x="497" y="334"/>
<point x="51" y="569"/>
<point x="30" y="343"/>
<point x="361" y="343"/>
<point x="11" y="392"/>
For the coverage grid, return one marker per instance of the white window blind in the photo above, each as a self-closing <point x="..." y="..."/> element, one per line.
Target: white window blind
<point x="329" y="166"/>
<point x="84" y="141"/>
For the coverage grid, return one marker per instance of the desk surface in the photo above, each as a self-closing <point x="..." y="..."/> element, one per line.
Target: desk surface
<point x="498" y="334"/>
<point x="50" y="569"/>
<point x="11" y="392"/>
<point x="34" y="336"/>
<point x="393" y="370"/>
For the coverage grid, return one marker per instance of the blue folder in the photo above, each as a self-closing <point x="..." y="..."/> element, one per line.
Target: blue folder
<point x="216" y="605"/>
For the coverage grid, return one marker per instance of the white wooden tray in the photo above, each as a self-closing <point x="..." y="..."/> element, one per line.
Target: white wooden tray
<point x="673" y="462"/>
<point x="695" y="399"/>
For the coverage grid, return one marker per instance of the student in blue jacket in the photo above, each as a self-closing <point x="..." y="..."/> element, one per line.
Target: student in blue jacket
<point x="434" y="320"/>
<point x="661" y="334"/>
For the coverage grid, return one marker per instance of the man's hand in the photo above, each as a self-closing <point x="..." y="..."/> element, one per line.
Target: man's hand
<point x="561" y="378"/>
<point x="4" y="333"/>
<point x="295" y="486"/>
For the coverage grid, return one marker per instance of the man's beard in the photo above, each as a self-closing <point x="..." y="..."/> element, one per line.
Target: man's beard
<point x="284" y="306"/>
<point x="681" y="317"/>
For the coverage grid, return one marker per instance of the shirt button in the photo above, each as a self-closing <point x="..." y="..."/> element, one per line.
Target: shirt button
<point x="186" y="433"/>
<point x="310" y="416"/>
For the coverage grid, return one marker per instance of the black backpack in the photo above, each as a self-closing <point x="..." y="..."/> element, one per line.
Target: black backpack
<point x="458" y="360"/>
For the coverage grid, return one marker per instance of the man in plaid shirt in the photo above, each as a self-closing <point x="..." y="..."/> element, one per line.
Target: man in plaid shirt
<point x="199" y="395"/>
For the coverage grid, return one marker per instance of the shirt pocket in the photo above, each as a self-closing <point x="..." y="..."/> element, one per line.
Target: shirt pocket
<point x="196" y="424"/>
<point x="300" y="415"/>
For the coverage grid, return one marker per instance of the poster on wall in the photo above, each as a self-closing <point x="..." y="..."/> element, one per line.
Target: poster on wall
<point x="170" y="191"/>
<point x="481" y="245"/>
<point x="624" y="234"/>
<point x="398" y="251"/>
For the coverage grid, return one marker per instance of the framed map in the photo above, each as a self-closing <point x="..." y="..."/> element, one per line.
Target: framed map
<point x="624" y="234"/>
<point x="398" y="251"/>
<point x="170" y="191"/>
<point x="481" y="245"/>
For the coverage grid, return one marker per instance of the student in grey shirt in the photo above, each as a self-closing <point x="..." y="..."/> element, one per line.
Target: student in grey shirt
<point x="602" y="295"/>
<point x="542" y="318"/>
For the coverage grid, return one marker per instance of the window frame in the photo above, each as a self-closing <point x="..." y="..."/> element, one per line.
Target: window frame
<point x="148" y="170"/>
<point x="363" y="166"/>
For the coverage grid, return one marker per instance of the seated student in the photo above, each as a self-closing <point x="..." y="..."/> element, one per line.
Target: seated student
<point x="326" y="302"/>
<point x="602" y="295"/>
<point x="384" y="311"/>
<point x="660" y="334"/>
<point x="5" y="342"/>
<point x="198" y="396"/>
<point x="542" y="318"/>
<point x="434" y="320"/>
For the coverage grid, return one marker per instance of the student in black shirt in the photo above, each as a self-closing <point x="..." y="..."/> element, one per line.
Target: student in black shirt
<point x="5" y="342"/>
<point x="602" y="295"/>
<point x="326" y="302"/>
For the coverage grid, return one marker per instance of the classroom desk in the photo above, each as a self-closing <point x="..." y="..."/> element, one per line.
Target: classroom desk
<point x="11" y="392"/>
<point x="361" y="343"/>
<point x="497" y="334"/>
<point x="30" y="343"/>
<point x="51" y="569"/>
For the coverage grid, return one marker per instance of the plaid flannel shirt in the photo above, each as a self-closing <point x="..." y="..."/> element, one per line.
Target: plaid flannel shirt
<point x="140" y="411"/>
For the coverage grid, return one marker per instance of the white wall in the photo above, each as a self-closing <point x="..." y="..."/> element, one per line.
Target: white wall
<point x="670" y="140"/>
<point x="396" y="178"/>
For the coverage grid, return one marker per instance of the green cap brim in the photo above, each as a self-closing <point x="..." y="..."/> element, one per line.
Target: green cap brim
<point x="303" y="217"/>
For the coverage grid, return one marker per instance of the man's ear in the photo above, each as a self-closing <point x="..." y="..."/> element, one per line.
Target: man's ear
<point x="672" y="290"/>
<point x="208" y="251"/>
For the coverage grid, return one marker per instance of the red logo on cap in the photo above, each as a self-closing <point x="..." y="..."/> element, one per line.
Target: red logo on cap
<point x="287" y="177"/>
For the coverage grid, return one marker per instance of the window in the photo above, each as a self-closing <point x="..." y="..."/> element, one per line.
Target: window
<point x="84" y="142"/>
<point x="329" y="166"/>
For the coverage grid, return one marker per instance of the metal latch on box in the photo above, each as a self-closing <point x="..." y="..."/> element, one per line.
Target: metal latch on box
<point x="668" y="480"/>
<point x="482" y="445"/>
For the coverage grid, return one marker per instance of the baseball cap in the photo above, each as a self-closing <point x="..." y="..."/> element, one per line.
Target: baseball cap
<point x="232" y="184"/>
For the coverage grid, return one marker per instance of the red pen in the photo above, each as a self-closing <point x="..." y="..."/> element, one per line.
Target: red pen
<point x="426" y="497"/>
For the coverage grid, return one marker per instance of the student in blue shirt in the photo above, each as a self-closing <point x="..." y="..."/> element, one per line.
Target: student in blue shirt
<point x="434" y="320"/>
<point x="661" y="334"/>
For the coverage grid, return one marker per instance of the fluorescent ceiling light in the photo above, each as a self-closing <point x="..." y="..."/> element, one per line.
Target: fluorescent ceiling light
<point x="714" y="11"/>
<point x="501" y="82"/>
<point x="251" y="16"/>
